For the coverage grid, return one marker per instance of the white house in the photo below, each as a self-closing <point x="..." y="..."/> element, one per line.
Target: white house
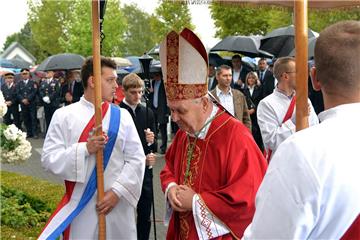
<point x="17" y="52"/>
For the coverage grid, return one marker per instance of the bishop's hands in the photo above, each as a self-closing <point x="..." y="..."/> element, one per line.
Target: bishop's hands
<point x="181" y="197"/>
<point x="96" y="143"/>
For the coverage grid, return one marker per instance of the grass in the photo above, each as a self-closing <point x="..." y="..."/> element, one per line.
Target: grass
<point x="49" y="193"/>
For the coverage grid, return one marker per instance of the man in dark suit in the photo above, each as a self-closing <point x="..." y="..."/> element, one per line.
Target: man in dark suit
<point x="26" y="91"/>
<point x="212" y="82"/>
<point x="73" y="90"/>
<point x="239" y="73"/>
<point x="50" y="96"/>
<point x="9" y="91"/>
<point x="145" y="124"/>
<point x="266" y="77"/>
<point x="160" y="108"/>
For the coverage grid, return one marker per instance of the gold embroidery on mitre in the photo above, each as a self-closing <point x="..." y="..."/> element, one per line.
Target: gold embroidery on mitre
<point x="172" y="57"/>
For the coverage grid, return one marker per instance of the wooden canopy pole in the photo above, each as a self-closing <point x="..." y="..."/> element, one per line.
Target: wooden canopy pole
<point x="301" y="46"/>
<point x="98" y="100"/>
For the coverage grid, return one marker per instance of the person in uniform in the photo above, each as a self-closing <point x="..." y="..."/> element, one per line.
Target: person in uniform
<point x="49" y="92"/>
<point x="9" y="91"/>
<point x="26" y="91"/>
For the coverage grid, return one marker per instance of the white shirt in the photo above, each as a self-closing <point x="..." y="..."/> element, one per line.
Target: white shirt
<point x="226" y="99"/>
<point x="64" y="156"/>
<point x="133" y="107"/>
<point x="270" y="114"/>
<point x="311" y="188"/>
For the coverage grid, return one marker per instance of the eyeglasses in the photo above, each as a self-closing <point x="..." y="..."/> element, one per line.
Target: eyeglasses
<point x="24" y="73"/>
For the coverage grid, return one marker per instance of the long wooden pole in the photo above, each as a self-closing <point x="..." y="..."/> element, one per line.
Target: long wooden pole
<point x="301" y="46"/>
<point x="97" y="82"/>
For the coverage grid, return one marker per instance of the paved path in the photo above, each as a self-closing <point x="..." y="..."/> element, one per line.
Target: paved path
<point x="33" y="168"/>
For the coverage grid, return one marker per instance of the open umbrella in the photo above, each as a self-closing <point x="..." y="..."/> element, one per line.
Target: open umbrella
<point x="311" y="48"/>
<point x="281" y="41"/>
<point x="63" y="61"/>
<point x="246" y="45"/>
<point x="5" y="63"/>
<point x="121" y="62"/>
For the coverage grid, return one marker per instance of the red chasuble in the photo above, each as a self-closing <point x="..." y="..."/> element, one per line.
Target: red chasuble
<point x="226" y="170"/>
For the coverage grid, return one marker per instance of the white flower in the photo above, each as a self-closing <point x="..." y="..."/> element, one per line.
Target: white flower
<point x="11" y="132"/>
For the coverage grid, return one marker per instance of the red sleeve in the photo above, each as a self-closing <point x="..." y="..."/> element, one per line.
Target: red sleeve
<point x="234" y="202"/>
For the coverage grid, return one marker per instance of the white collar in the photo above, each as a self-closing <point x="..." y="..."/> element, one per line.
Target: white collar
<point x="349" y="108"/>
<point x="133" y="107"/>
<point x="281" y="93"/>
<point x="218" y="91"/>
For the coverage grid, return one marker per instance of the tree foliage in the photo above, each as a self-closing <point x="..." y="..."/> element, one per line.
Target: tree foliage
<point x="77" y="37"/>
<point x="139" y="36"/>
<point x="170" y="15"/>
<point x="25" y="38"/>
<point x="46" y="20"/>
<point x="234" y="19"/>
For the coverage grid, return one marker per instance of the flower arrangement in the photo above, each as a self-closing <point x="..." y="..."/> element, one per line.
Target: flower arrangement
<point x="14" y="146"/>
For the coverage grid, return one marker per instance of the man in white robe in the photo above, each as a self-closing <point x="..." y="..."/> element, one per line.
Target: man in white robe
<point x="74" y="160"/>
<point x="311" y="188"/>
<point x="275" y="125"/>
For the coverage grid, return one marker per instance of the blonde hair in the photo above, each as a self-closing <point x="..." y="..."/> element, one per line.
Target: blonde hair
<point x="251" y="74"/>
<point x="132" y="80"/>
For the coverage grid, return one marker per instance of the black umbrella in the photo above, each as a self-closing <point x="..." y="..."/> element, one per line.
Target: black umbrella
<point x="248" y="46"/>
<point x="311" y="48"/>
<point x="281" y="41"/>
<point x="63" y="61"/>
<point x="216" y="60"/>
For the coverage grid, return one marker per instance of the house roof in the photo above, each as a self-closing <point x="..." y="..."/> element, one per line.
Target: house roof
<point x="14" y="45"/>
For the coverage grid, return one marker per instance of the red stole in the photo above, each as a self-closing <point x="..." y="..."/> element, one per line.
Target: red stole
<point x="225" y="176"/>
<point x="69" y="186"/>
<point x="288" y="115"/>
<point x="353" y="233"/>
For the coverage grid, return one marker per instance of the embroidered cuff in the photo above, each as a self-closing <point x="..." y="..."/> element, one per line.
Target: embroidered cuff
<point x="208" y="226"/>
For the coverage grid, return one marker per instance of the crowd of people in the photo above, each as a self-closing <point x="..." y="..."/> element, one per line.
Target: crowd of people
<point x="236" y="167"/>
<point x="32" y="100"/>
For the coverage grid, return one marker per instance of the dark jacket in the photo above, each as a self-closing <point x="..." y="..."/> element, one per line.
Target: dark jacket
<point x="268" y="83"/>
<point x="162" y="111"/>
<point x="26" y="91"/>
<point x="52" y="90"/>
<point x="77" y="92"/>
<point x="142" y="122"/>
<point x="9" y="93"/>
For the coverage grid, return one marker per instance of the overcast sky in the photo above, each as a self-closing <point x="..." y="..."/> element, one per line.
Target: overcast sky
<point x="13" y="16"/>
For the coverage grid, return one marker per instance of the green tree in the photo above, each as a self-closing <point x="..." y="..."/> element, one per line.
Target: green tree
<point x="318" y="20"/>
<point x="25" y="38"/>
<point x="78" y="35"/>
<point x="234" y="19"/>
<point x="139" y="36"/>
<point x="243" y="19"/>
<point x="46" y="18"/>
<point x="170" y="15"/>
